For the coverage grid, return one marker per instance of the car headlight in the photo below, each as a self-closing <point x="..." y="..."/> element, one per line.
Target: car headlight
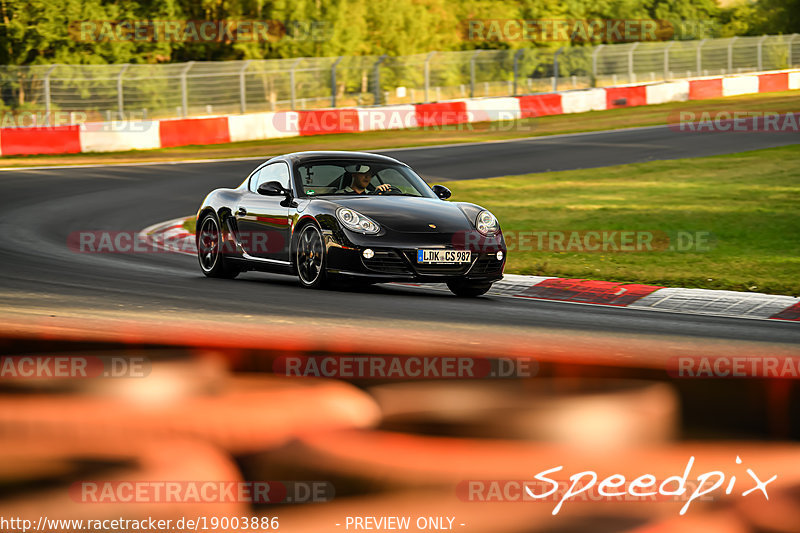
<point x="355" y="221"/>
<point x="486" y="223"/>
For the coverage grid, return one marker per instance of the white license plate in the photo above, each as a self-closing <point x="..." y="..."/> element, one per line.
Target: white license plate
<point x="444" y="256"/>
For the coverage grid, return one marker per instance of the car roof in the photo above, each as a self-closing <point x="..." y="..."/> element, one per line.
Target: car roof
<point x="302" y="157"/>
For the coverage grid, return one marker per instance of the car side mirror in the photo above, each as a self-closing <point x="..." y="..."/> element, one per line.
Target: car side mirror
<point x="442" y="192"/>
<point x="272" y="188"/>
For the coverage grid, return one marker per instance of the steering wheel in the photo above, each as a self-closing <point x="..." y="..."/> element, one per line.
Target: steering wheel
<point x="391" y="189"/>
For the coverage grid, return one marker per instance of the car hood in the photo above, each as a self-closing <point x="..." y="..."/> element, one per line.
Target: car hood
<point x="409" y="214"/>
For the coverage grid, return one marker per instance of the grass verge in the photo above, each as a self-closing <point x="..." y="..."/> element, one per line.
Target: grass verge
<point x="574" y="123"/>
<point x="748" y="204"/>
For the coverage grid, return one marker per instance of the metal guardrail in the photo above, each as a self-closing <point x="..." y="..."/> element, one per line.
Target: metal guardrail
<point x="230" y="87"/>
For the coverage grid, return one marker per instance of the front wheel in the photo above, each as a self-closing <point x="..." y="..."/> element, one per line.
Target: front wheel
<point x="210" y="250"/>
<point x="309" y="258"/>
<point x="466" y="289"/>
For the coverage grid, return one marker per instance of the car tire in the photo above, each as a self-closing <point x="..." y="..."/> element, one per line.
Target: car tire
<point x="310" y="260"/>
<point x="465" y="289"/>
<point x="209" y="250"/>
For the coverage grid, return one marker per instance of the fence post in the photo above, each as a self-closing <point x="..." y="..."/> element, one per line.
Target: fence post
<point x="730" y="54"/>
<point x="631" y="74"/>
<point x="184" y="91"/>
<point x="242" y="88"/>
<point x="760" y="50"/>
<point x="427" y="75"/>
<point x="517" y="55"/>
<point x="595" y="53"/>
<point x="291" y="81"/>
<point x="666" y="59"/>
<point x="120" y="99"/>
<point x="472" y="73"/>
<point x="378" y="79"/>
<point x="333" y="80"/>
<point x="47" y="92"/>
<point x="700" y="56"/>
<point x="555" y="68"/>
<point x="791" y="40"/>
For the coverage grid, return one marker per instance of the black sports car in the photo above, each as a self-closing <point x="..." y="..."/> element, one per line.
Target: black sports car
<point x="320" y="215"/>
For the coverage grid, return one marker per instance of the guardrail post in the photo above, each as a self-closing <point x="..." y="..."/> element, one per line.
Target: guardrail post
<point x="791" y="40"/>
<point x="517" y="55"/>
<point x="333" y="80"/>
<point x="472" y="73"/>
<point x="730" y="54"/>
<point x="120" y="99"/>
<point x="760" y="50"/>
<point x="700" y="56"/>
<point x="555" y="68"/>
<point x="243" y="87"/>
<point x="595" y="53"/>
<point x="666" y="59"/>
<point x="631" y="74"/>
<point x="428" y="75"/>
<point x="378" y="79"/>
<point x="47" y="92"/>
<point x="184" y="90"/>
<point x="291" y="81"/>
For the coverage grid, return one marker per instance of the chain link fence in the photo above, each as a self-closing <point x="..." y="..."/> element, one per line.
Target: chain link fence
<point x="230" y="87"/>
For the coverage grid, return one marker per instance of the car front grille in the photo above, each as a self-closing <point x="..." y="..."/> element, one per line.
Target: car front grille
<point x="387" y="262"/>
<point x="486" y="264"/>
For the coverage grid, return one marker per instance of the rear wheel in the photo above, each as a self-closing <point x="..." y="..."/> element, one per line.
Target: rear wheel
<point x="467" y="289"/>
<point x="209" y="250"/>
<point x="309" y="258"/>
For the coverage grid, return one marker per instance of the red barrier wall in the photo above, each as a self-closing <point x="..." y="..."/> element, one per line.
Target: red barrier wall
<point x="441" y="113"/>
<point x="539" y="105"/>
<point x="52" y="140"/>
<point x="768" y="83"/>
<point x="625" y="96"/>
<point x="187" y="131"/>
<point x="702" y="89"/>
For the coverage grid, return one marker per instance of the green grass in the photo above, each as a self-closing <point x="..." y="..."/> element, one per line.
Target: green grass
<point x="579" y="122"/>
<point x="749" y="202"/>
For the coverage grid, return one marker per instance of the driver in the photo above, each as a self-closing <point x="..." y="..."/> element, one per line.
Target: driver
<point x="362" y="175"/>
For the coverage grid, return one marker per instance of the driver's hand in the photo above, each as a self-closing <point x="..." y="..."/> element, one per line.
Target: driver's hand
<point x="383" y="187"/>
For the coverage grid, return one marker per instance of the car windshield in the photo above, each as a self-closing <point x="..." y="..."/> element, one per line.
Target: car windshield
<point x="341" y="177"/>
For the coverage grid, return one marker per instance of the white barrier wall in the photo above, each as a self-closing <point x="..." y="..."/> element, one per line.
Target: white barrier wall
<point x="492" y="109"/>
<point x="263" y="126"/>
<point x="582" y="101"/>
<point x="739" y="85"/>
<point x="390" y="117"/>
<point x="794" y="80"/>
<point x="120" y="136"/>
<point x="673" y="91"/>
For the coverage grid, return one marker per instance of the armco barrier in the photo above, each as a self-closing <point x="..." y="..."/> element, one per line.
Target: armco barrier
<point x="100" y="137"/>
<point x="323" y="121"/>
<point x="583" y="100"/>
<point x="259" y="126"/>
<point x="188" y="131"/>
<point x="769" y="83"/>
<point x="540" y="105"/>
<point x="661" y="93"/>
<point x="441" y="114"/>
<point x="119" y="136"/>
<point x="739" y="85"/>
<point x="704" y="89"/>
<point x="626" y="96"/>
<point x="52" y="140"/>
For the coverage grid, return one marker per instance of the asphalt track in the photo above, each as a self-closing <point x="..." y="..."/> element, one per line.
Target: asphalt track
<point x="41" y="207"/>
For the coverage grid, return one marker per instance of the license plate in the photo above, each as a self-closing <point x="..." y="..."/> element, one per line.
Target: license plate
<point x="444" y="256"/>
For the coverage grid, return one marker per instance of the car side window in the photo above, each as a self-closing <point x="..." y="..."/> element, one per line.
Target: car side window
<point x="275" y="172"/>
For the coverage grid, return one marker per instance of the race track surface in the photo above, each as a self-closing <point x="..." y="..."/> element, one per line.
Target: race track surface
<point x="41" y="207"/>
